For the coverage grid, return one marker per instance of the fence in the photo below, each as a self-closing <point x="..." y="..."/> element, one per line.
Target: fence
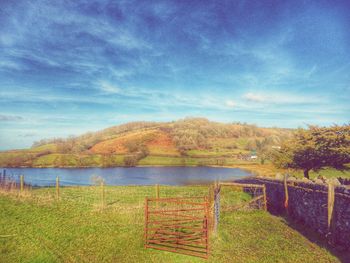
<point x="101" y="197"/>
<point x="257" y="194"/>
<point x="225" y="202"/>
<point x="99" y="194"/>
<point x="13" y="183"/>
<point x="323" y="208"/>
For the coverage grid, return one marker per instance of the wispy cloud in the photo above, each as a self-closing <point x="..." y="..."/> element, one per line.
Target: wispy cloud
<point x="108" y="88"/>
<point x="9" y="64"/>
<point x="230" y="103"/>
<point x="10" y="118"/>
<point x="281" y="98"/>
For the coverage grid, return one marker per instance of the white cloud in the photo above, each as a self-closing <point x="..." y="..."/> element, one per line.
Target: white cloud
<point x="10" y="118"/>
<point x="230" y="104"/>
<point x="255" y="97"/>
<point x="108" y="88"/>
<point x="12" y="65"/>
<point x="281" y="98"/>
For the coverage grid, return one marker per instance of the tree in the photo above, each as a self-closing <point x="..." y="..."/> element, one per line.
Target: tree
<point x="132" y="145"/>
<point x="316" y="148"/>
<point x="251" y="145"/>
<point x="263" y="148"/>
<point x="130" y="160"/>
<point x="107" y="160"/>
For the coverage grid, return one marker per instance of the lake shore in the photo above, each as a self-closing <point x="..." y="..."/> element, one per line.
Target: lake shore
<point x="264" y="170"/>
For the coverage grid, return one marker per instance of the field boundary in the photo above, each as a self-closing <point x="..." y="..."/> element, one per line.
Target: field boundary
<point x="323" y="208"/>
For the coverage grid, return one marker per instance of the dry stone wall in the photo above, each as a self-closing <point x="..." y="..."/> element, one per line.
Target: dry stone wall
<point x="308" y="205"/>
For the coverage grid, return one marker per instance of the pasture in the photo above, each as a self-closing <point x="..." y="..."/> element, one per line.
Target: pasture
<point x="38" y="228"/>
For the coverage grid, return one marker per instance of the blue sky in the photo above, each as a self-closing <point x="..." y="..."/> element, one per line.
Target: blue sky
<point x="68" y="67"/>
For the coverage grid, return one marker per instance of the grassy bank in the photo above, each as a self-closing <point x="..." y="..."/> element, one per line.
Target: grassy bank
<point x="76" y="230"/>
<point x="97" y="160"/>
<point x="269" y="170"/>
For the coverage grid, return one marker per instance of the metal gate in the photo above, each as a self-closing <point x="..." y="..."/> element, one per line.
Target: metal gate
<point x="178" y="225"/>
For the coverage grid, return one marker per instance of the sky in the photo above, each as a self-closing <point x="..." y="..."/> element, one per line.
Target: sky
<point x="69" y="67"/>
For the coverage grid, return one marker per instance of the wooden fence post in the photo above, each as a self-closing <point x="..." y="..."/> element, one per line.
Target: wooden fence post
<point x="207" y="222"/>
<point x="57" y="188"/>
<point x="146" y="222"/>
<point x="21" y="184"/>
<point x="211" y="206"/>
<point x="103" y="194"/>
<point x="265" y="199"/>
<point x="330" y="203"/>
<point x="286" y="200"/>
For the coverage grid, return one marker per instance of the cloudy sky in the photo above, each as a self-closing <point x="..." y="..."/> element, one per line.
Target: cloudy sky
<point x="67" y="67"/>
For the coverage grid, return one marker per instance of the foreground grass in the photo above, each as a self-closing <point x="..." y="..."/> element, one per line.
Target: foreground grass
<point x="77" y="230"/>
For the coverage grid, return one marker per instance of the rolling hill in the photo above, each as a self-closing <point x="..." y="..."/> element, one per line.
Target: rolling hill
<point x="190" y="141"/>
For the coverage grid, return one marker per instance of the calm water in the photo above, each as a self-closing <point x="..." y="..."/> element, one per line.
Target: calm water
<point x="127" y="176"/>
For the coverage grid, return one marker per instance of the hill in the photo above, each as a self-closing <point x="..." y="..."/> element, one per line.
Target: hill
<point x="190" y="141"/>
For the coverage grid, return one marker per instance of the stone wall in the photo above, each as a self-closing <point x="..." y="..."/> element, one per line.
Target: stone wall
<point x="341" y="217"/>
<point x="308" y="205"/>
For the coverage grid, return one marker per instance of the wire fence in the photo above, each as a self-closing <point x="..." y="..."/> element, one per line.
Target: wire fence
<point x="100" y="196"/>
<point x="222" y="198"/>
<point x="97" y="193"/>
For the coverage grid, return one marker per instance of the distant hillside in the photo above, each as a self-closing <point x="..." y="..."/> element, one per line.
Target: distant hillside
<point x="190" y="141"/>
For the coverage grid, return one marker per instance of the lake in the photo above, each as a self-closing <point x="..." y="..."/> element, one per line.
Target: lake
<point x="127" y="176"/>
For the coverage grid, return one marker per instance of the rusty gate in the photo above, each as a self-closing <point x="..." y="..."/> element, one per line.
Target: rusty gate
<point x="178" y="225"/>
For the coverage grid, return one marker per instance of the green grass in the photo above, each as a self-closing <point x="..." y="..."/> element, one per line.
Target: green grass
<point x="6" y="156"/>
<point x="90" y="160"/>
<point x="327" y="172"/>
<point x="72" y="160"/>
<point x="15" y="158"/>
<point x="260" y="237"/>
<point x="46" y="147"/>
<point x="269" y="170"/>
<point x="184" y="161"/>
<point x="165" y="160"/>
<point x="48" y="160"/>
<point x="76" y="230"/>
<point x="218" y="153"/>
<point x="242" y="142"/>
<point x="118" y="160"/>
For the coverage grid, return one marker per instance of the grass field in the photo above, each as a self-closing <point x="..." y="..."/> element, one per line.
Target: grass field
<point x="75" y="229"/>
<point x="328" y="173"/>
<point x="171" y="161"/>
<point x="218" y="153"/>
<point x="269" y="170"/>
